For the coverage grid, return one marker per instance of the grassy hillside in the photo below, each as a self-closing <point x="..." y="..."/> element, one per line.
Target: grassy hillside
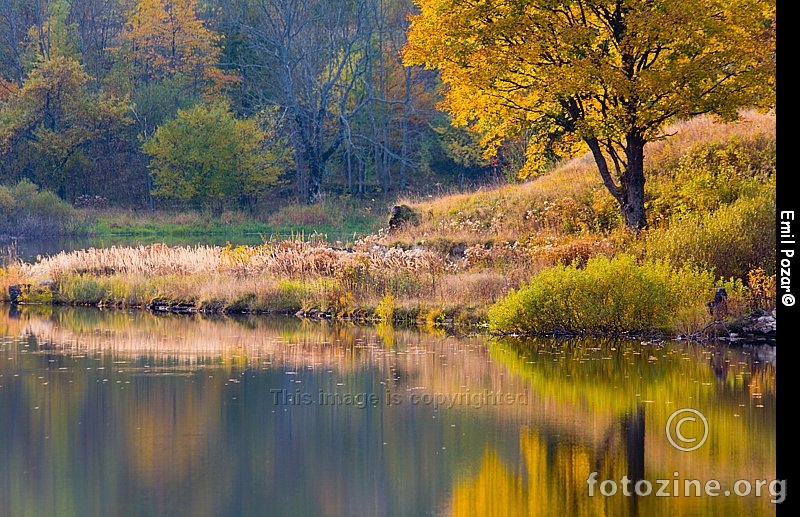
<point x="703" y="173"/>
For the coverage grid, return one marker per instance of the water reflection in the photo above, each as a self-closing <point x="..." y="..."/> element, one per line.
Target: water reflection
<point x="127" y="413"/>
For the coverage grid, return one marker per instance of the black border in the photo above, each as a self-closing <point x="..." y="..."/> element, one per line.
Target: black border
<point x="786" y="200"/>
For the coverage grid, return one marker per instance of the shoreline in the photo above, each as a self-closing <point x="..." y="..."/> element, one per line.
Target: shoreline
<point x="744" y="331"/>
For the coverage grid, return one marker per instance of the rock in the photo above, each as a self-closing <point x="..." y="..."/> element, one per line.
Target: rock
<point x="401" y="215"/>
<point x="759" y="325"/>
<point x="457" y="252"/>
<point x="718" y="307"/>
<point x="17" y="290"/>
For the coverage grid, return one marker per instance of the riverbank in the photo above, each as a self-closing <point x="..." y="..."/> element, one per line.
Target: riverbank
<point x="28" y="213"/>
<point x="549" y="256"/>
<point x="365" y="281"/>
<point x="371" y="283"/>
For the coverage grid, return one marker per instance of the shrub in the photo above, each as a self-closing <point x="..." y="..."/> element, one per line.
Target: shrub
<point x="8" y="204"/>
<point x="47" y="205"/>
<point x="82" y="290"/>
<point x="761" y="289"/>
<point x="730" y="241"/>
<point x="385" y="309"/>
<point x="25" y="210"/>
<point x="613" y="295"/>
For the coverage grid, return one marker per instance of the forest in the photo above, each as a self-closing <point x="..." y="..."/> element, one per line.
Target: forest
<point x="245" y="104"/>
<point x="226" y="104"/>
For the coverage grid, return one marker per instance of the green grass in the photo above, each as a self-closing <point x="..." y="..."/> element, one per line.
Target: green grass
<point x="336" y="220"/>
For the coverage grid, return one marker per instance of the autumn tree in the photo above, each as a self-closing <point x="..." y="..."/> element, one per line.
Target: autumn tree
<point x="167" y="39"/>
<point x="607" y="75"/>
<point x="52" y="125"/>
<point x="209" y="158"/>
<point x="48" y="123"/>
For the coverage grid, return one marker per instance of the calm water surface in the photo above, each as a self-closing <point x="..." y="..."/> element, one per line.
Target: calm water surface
<point x="131" y="414"/>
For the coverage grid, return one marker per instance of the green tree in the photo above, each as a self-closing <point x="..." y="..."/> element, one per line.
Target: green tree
<point x="210" y="159"/>
<point x="607" y="75"/>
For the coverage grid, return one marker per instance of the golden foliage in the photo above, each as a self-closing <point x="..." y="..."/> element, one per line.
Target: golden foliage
<point x="168" y="39"/>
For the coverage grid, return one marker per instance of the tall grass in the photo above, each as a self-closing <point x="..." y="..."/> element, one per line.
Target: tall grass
<point x="279" y="275"/>
<point x="731" y="241"/>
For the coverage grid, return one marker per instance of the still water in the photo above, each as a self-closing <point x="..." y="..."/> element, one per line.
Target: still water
<point x="131" y="414"/>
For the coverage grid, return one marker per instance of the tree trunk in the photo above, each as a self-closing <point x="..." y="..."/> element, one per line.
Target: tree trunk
<point x="314" y="192"/>
<point x="632" y="185"/>
<point x="630" y="191"/>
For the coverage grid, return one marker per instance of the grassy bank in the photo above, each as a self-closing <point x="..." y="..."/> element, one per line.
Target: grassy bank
<point x="364" y="281"/>
<point x="544" y="256"/>
<point x="29" y="212"/>
<point x="335" y="218"/>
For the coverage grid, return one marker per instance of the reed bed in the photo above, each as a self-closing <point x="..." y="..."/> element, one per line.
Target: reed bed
<point x="277" y="276"/>
<point x="284" y="259"/>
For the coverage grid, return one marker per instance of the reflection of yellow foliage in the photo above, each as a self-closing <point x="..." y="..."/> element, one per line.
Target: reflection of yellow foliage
<point x="545" y="486"/>
<point x="494" y="492"/>
<point x="385" y="331"/>
<point x="551" y="480"/>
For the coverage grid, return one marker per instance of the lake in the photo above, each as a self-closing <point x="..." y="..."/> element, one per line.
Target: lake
<point x="127" y="413"/>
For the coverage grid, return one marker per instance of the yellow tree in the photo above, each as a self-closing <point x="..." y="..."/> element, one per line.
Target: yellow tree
<point x="602" y="74"/>
<point x="167" y="39"/>
<point x="49" y="123"/>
